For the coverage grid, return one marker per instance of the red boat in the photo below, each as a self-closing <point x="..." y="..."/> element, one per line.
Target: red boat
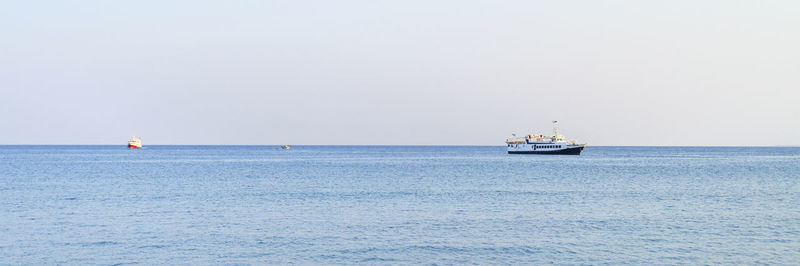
<point x="135" y="143"/>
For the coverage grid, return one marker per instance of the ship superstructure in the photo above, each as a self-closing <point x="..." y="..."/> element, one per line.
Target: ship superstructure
<point x="541" y="144"/>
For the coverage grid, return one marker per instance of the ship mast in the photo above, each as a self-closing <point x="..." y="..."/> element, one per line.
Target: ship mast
<point x="555" y="128"/>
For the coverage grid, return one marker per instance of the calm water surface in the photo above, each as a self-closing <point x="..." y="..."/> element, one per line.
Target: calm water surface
<point x="397" y="205"/>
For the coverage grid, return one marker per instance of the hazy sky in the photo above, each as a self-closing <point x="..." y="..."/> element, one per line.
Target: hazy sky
<point x="399" y="72"/>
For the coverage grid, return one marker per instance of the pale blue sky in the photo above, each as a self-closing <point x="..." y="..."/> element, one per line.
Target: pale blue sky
<point x="399" y="72"/>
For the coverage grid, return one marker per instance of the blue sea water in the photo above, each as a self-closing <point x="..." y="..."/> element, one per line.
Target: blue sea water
<point x="398" y="205"/>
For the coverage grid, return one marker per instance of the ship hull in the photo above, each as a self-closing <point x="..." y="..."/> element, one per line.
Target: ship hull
<point x="566" y="151"/>
<point x="134" y="146"/>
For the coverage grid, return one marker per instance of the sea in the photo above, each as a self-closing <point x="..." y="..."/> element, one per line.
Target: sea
<point x="330" y="205"/>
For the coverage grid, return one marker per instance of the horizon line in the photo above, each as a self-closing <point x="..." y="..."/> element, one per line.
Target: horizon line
<point x="421" y="145"/>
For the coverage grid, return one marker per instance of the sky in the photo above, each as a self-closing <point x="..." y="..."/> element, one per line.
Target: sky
<point x="399" y="72"/>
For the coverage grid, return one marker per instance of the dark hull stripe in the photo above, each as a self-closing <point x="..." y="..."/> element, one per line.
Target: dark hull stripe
<point x="568" y="151"/>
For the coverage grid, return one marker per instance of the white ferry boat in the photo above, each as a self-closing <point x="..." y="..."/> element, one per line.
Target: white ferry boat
<point x="135" y="143"/>
<point x="541" y="144"/>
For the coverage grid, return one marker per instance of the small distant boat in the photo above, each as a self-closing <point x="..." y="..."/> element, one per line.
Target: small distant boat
<point x="135" y="143"/>
<point x="541" y="144"/>
<point x="286" y="147"/>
